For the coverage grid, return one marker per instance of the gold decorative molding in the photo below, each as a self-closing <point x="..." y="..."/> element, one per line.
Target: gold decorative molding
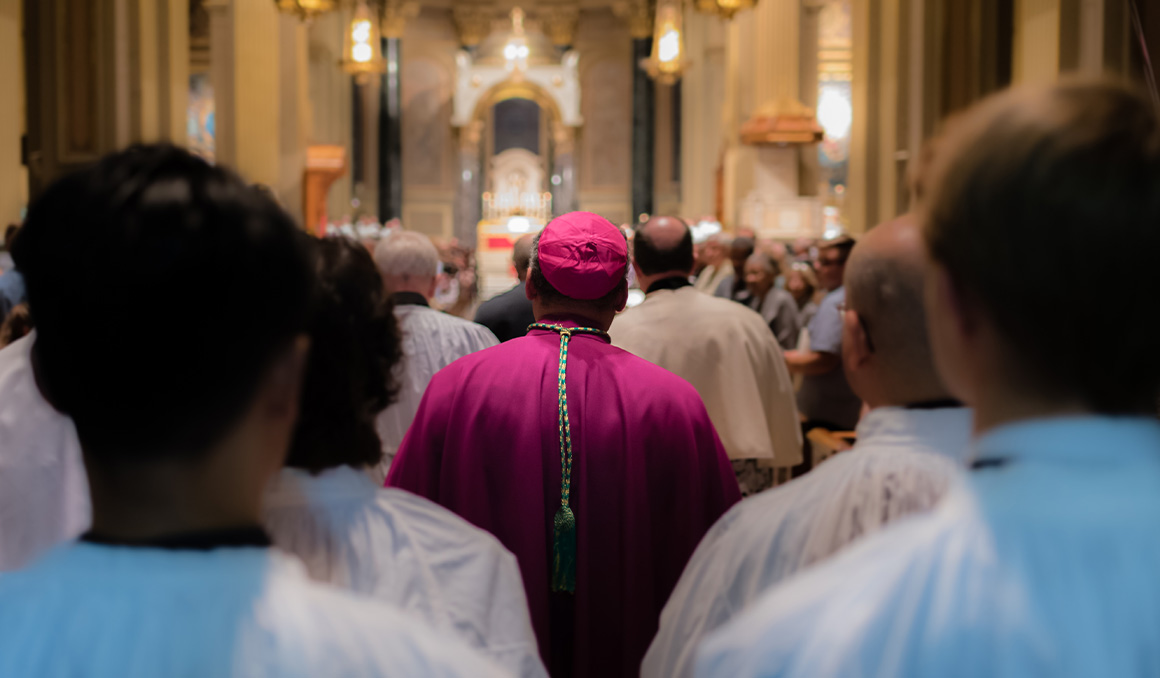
<point x="560" y="23"/>
<point x="638" y="14"/>
<point x="470" y="136"/>
<point x="563" y="137"/>
<point x="395" y="16"/>
<point x="786" y="122"/>
<point x="472" y="23"/>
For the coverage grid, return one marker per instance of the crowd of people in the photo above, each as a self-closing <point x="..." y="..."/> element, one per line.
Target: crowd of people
<point x="228" y="448"/>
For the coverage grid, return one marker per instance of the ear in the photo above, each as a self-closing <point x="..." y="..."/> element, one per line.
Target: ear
<point x="622" y="299"/>
<point x="283" y="386"/>
<point x="636" y="268"/>
<point x="956" y="308"/>
<point x="855" y="344"/>
<point x="530" y="289"/>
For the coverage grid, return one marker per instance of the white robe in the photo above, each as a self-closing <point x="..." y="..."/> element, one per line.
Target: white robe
<point x="410" y="552"/>
<point x="726" y="351"/>
<point x="1045" y="565"/>
<point x="903" y="463"/>
<point x="44" y="493"/>
<point x="432" y="340"/>
<point x="100" y="611"/>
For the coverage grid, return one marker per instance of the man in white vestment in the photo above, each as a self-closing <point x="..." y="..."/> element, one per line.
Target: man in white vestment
<point x="723" y="349"/>
<point x="385" y="543"/>
<point x="1044" y="561"/>
<point x="715" y="252"/>
<point x="44" y="496"/>
<point x="432" y="340"/>
<point x="181" y="431"/>
<point x="910" y="447"/>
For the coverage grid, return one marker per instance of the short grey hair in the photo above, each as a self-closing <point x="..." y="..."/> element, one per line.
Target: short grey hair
<point x="407" y="254"/>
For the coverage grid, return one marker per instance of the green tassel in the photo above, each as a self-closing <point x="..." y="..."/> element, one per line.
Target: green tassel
<point x="564" y="551"/>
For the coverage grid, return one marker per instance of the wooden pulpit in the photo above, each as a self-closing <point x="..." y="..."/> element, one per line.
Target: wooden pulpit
<point x="324" y="165"/>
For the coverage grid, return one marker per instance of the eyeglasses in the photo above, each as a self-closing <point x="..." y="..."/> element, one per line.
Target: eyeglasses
<point x="842" y="308"/>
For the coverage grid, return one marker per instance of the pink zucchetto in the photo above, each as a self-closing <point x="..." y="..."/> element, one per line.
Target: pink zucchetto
<point x="583" y="255"/>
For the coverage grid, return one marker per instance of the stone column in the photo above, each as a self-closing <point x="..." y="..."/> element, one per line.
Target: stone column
<point x="643" y="130"/>
<point x="390" y="133"/>
<point x="467" y="203"/>
<point x="564" y="167"/>
<point x="13" y="178"/>
<point x="259" y="72"/>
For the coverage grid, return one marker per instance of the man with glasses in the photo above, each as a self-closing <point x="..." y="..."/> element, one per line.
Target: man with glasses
<point x="825" y="399"/>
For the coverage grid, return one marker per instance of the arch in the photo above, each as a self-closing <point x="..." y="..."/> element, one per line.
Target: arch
<point x="555" y="87"/>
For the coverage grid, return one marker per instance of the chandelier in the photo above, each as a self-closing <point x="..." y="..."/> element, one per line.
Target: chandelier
<point x="667" y="62"/>
<point x="362" y="54"/>
<point x="725" y="8"/>
<point x="306" y="9"/>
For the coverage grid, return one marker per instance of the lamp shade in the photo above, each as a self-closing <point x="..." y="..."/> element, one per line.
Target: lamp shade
<point x="362" y="53"/>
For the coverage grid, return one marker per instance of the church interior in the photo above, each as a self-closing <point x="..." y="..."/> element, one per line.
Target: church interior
<point x="788" y="118"/>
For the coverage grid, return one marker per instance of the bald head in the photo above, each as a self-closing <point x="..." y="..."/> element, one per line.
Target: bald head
<point x="884" y="280"/>
<point x="663" y="246"/>
<point x="522" y="255"/>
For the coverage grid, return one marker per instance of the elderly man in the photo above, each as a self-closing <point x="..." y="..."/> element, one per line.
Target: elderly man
<point x="910" y="447"/>
<point x="1043" y="562"/>
<point x="715" y="253"/>
<point x="509" y="314"/>
<point x="432" y="340"/>
<point x="181" y="431"/>
<point x="733" y="285"/>
<point x="598" y="469"/>
<point x="727" y="354"/>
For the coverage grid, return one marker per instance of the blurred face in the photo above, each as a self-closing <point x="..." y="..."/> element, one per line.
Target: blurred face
<point x="831" y="268"/>
<point x="795" y="284"/>
<point x="949" y="342"/>
<point x="738" y="257"/>
<point x="758" y="279"/>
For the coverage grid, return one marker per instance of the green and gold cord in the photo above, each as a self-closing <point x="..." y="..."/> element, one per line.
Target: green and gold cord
<point x="564" y="525"/>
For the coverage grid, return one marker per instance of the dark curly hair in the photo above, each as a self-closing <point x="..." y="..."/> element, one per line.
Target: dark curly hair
<point x="355" y="346"/>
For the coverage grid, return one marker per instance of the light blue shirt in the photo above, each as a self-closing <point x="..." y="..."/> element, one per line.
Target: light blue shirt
<point x="11" y="292"/>
<point x="1045" y="562"/>
<point x="827" y="397"/>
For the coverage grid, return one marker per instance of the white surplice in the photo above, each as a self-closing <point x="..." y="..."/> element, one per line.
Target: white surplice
<point x="132" y="612"/>
<point x="1043" y="562"/>
<point x="903" y="463"/>
<point x="44" y="493"/>
<point x="432" y="340"/>
<point x="726" y="351"/>
<point x="407" y="551"/>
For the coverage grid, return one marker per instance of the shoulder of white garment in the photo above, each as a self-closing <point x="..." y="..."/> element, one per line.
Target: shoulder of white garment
<point x="410" y="552"/>
<point x="242" y="612"/>
<point x="852" y="615"/>
<point x="687" y="308"/>
<point x="44" y="496"/>
<point x="897" y="468"/>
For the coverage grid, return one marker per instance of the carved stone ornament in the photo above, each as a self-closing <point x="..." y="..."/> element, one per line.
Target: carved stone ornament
<point x="472" y="23"/>
<point x="638" y="14"/>
<point x="559" y="23"/>
<point x="395" y="16"/>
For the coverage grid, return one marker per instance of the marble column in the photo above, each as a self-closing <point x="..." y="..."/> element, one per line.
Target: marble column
<point x="563" y="167"/>
<point x="643" y="131"/>
<point x="390" y="134"/>
<point x="468" y="207"/>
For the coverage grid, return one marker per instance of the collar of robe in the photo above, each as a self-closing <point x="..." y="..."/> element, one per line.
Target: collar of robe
<point x="204" y="540"/>
<point x="409" y="299"/>
<point x="674" y="282"/>
<point x="564" y="524"/>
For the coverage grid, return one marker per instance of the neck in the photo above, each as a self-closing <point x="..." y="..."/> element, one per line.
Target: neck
<point x="581" y="318"/>
<point x="1000" y="408"/>
<point x="646" y="281"/>
<point x="161" y="499"/>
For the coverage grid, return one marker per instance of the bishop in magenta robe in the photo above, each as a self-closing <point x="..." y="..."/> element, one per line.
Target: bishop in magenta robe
<point x="648" y="474"/>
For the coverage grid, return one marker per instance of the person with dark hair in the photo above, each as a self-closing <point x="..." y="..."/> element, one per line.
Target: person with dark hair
<point x="733" y="286"/>
<point x="385" y="543"/>
<point x="181" y="431"/>
<point x="16" y="326"/>
<point x="598" y="469"/>
<point x="911" y="446"/>
<point x="509" y="314"/>
<point x="1043" y="561"/>
<point x="409" y="265"/>
<point x="726" y="352"/>
<point x="775" y="305"/>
